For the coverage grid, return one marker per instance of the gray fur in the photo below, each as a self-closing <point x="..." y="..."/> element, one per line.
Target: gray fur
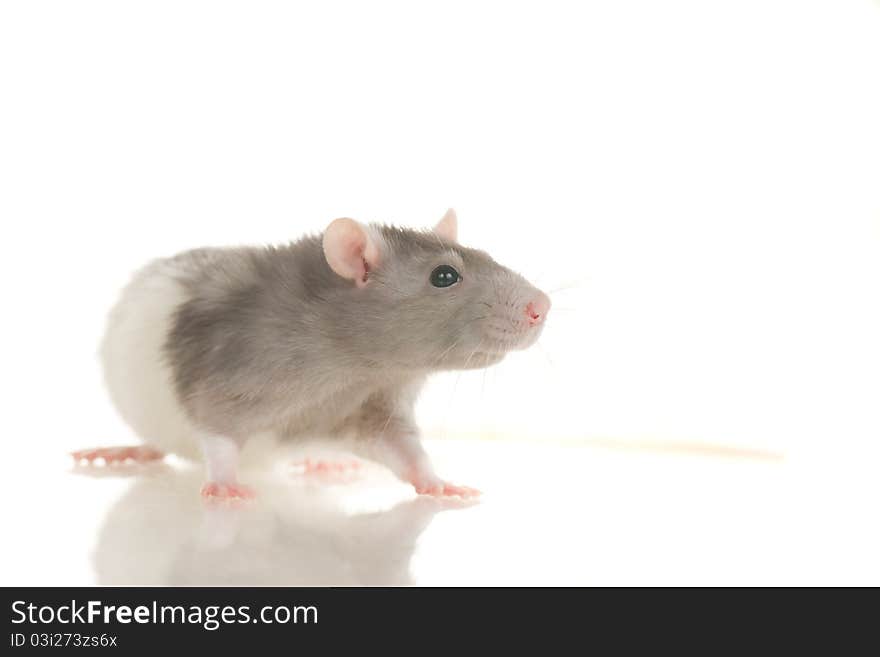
<point x="271" y="339"/>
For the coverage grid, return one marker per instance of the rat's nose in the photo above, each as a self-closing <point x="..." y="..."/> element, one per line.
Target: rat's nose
<point x="537" y="309"/>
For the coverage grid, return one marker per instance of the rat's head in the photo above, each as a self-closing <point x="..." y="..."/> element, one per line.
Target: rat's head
<point x="419" y="299"/>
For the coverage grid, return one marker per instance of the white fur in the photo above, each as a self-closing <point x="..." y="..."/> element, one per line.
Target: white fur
<point x="135" y="370"/>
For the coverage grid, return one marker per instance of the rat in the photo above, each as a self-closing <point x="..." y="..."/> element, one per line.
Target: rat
<point x="332" y="335"/>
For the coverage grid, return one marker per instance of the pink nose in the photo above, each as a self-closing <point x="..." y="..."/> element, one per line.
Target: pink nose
<point x="537" y="309"/>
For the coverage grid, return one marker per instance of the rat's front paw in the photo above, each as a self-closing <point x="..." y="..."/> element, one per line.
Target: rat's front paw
<point x="214" y="491"/>
<point x="443" y="489"/>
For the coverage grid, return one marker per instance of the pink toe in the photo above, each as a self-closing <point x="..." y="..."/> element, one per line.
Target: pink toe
<point x="218" y="491"/>
<point x="242" y="492"/>
<point x="311" y="466"/>
<point x="118" y="455"/>
<point x="210" y="489"/>
<point x="443" y="489"/>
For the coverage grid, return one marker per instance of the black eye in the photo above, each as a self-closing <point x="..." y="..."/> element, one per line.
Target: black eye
<point x="444" y="276"/>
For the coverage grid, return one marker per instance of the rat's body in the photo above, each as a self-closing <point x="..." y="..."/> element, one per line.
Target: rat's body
<point x="328" y="337"/>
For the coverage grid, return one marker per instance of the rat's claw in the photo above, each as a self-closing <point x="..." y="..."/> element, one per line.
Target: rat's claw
<point x="443" y="489"/>
<point x="461" y="491"/>
<point x="214" y="491"/>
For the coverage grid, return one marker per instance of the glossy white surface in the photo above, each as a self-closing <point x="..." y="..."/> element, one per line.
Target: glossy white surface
<point x="585" y="515"/>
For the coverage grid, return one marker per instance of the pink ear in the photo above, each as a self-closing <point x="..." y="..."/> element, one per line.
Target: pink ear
<point x="350" y="251"/>
<point x="447" y="227"/>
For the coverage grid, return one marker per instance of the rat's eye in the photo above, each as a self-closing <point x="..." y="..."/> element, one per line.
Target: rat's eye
<point x="444" y="276"/>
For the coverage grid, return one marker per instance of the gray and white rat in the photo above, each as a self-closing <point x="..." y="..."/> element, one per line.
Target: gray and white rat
<point x="331" y="336"/>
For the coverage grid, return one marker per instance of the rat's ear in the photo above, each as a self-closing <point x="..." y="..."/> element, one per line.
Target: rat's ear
<point x="350" y="250"/>
<point x="447" y="227"/>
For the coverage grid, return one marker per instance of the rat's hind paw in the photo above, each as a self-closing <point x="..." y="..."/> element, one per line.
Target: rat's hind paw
<point x="116" y="455"/>
<point x="214" y="491"/>
<point x="443" y="489"/>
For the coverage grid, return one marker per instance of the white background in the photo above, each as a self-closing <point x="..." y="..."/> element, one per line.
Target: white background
<point x="697" y="184"/>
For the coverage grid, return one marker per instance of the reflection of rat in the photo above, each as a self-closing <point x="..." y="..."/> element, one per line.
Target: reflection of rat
<point x="330" y="336"/>
<point x="294" y="535"/>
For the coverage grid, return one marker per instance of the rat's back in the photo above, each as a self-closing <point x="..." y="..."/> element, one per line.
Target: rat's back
<point x="224" y="340"/>
<point x="136" y="370"/>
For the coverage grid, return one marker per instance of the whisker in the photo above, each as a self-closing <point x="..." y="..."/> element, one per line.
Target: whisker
<point x="447" y="351"/>
<point x="565" y="287"/>
<point x="476" y="349"/>
<point x="483" y="383"/>
<point x="545" y="354"/>
<point x="457" y="378"/>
